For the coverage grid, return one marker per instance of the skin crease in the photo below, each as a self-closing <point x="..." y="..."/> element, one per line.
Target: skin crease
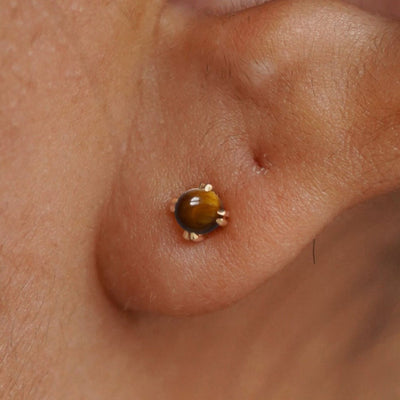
<point x="295" y="120"/>
<point x="389" y="8"/>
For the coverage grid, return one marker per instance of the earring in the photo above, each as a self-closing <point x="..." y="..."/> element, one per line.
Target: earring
<point x="199" y="211"/>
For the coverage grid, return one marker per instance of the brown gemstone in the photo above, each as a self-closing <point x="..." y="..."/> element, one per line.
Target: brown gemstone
<point x="197" y="210"/>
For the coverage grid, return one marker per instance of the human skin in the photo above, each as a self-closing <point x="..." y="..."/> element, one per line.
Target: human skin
<point x="110" y="109"/>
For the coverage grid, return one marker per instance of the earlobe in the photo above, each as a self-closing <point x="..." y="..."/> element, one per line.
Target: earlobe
<point x="278" y="140"/>
<point x="390" y="8"/>
<point x="221" y="6"/>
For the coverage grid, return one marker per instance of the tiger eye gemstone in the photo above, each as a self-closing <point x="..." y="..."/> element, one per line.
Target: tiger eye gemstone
<point x="197" y="211"/>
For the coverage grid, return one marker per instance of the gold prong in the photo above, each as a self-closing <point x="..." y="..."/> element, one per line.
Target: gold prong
<point x="221" y="221"/>
<point x="172" y="205"/>
<point x="223" y="213"/>
<point x="208" y="187"/>
<point x="202" y="185"/>
<point x="186" y="235"/>
<point x="194" y="237"/>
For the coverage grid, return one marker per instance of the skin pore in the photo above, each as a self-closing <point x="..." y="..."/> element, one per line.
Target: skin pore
<point x="291" y="110"/>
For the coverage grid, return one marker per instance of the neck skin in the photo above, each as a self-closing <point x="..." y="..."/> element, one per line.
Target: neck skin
<point x="323" y="331"/>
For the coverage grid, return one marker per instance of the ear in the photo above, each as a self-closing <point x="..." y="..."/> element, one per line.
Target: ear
<point x="281" y="108"/>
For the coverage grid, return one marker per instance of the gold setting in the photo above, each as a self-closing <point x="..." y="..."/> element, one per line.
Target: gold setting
<point x="199" y="211"/>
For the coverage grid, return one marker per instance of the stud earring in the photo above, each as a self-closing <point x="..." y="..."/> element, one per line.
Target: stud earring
<point x="199" y="211"/>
